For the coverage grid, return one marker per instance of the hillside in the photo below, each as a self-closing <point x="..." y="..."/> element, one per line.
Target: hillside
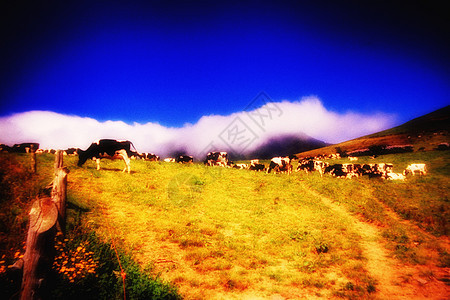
<point x="285" y="145"/>
<point x="424" y="133"/>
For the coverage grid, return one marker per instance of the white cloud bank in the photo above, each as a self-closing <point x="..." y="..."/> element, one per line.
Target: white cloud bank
<point x="241" y="131"/>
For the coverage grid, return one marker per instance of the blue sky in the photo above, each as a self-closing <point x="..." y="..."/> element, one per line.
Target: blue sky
<point x="174" y="62"/>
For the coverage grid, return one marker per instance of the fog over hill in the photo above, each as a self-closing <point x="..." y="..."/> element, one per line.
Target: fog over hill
<point x="263" y="130"/>
<point x="285" y="145"/>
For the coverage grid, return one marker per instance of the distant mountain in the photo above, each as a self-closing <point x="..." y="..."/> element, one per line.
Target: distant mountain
<point x="285" y="145"/>
<point x="424" y="133"/>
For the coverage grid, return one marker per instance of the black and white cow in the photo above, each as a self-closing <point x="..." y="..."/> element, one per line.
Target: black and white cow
<point x="313" y="165"/>
<point x="184" y="159"/>
<point x="217" y="159"/>
<point x="71" y="151"/>
<point x="111" y="149"/>
<point x="337" y="170"/>
<point x="306" y="165"/>
<point x="379" y="170"/>
<point x="25" y="147"/>
<point x="256" y="166"/>
<point x="240" y="166"/>
<point x="280" y="164"/>
<point x="149" y="156"/>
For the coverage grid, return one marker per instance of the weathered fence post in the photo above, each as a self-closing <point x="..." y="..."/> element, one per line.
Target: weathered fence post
<point x="33" y="159"/>
<point x="59" y="191"/>
<point x="39" y="253"/>
<point x="45" y="214"/>
<point x="59" y="160"/>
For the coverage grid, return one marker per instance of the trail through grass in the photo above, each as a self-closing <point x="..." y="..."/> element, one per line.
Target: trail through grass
<point x="390" y="278"/>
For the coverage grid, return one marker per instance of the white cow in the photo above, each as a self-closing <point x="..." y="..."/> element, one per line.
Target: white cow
<point x="413" y="168"/>
<point x="280" y="164"/>
<point x="395" y="176"/>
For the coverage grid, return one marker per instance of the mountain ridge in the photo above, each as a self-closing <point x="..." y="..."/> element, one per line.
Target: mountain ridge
<point x="424" y="133"/>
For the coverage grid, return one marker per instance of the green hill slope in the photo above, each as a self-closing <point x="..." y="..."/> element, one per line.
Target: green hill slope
<point x="424" y="133"/>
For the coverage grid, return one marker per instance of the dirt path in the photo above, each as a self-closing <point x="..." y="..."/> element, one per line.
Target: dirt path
<point x="395" y="280"/>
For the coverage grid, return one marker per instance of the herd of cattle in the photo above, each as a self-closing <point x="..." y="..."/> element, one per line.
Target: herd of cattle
<point x="114" y="149"/>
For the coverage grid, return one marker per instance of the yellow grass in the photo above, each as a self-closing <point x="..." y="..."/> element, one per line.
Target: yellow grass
<point x="225" y="233"/>
<point x="220" y="233"/>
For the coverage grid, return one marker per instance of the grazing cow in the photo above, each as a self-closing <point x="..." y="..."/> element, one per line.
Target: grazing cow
<point x="217" y="159"/>
<point x="320" y="166"/>
<point x="169" y="159"/>
<point x="135" y="155"/>
<point x="280" y="164"/>
<point x="382" y="169"/>
<point x="349" y="170"/>
<point x="366" y="169"/>
<point x="184" y="159"/>
<point x="335" y="156"/>
<point x="254" y="161"/>
<point x="240" y="166"/>
<point x="149" y="156"/>
<point x="337" y="170"/>
<point x="413" y="168"/>
<point x="25" y="147"/>
<point x="395" y="176"/>
<point x="306" y="165"/>
<point x="256" y="166"/>
<point x="71" y="151"/>
<point x="111" y="149"/>
<point x="313" y="165"/>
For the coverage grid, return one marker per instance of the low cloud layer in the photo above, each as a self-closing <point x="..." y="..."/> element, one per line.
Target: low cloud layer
<point x="239" y="132"/>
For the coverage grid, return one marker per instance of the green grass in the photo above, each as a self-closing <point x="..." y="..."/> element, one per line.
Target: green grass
<point x="235" y="227"/>
<point x="422" y="200"/>
<point x="213" y="231"/>
<point x="86" y="267"/>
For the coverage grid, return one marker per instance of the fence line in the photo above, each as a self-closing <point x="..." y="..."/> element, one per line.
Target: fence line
<point x="46" y="216"/>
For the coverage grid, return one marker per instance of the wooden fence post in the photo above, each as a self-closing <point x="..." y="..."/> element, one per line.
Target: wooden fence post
<point x="59" y="195"/>
<point x="33" y="159"/>
<point x="39" y="253"/>
<point x="45" y="214"/>
<point x="59" y="191"/>
<point x="59" y="160"/>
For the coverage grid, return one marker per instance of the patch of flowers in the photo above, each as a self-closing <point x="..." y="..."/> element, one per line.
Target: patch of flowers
<point x="2" y="264"/>
<point x="75" y="263"/>
<point x="7" y="259"/>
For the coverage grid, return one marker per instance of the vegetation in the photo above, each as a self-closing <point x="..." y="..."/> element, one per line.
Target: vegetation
<point x="85" y="267"/>
<point x="215" y="232"/>
<point x="422" y="200"/>
<point x="426" y="133"/>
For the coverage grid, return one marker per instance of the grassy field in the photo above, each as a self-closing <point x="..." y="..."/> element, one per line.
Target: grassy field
<point x="218" y="233"/>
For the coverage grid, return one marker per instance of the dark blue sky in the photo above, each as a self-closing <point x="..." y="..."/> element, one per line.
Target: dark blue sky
<point x="174" y="61"/>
